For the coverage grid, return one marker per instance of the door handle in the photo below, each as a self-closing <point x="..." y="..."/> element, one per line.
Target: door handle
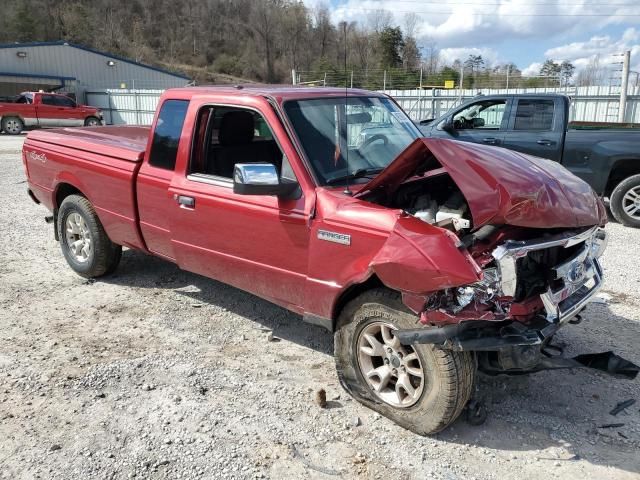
<point x="491" y="141"/>
<point x="545" y="142"/>
<point x="184" y="201"/>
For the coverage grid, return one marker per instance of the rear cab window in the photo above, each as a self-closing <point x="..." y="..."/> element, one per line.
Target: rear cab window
<point x="534" y="115"/>
<point x="166" y="136"/>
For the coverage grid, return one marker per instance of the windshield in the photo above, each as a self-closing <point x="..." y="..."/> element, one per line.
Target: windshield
<point x="364" y="137"/>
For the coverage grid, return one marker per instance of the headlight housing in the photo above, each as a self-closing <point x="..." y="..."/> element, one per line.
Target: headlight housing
<point x="598" y="243"/>
<point x="482" y="291"/>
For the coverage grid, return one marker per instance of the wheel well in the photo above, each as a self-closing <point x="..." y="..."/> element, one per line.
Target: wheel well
<point x="621" y="170"/>
<point x="352" y="292"/>
<point x="63" y="191"/>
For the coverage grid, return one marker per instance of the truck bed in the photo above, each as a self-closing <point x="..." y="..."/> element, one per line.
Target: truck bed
<point x="121" y="142"/>
<point x="54" y="157"/>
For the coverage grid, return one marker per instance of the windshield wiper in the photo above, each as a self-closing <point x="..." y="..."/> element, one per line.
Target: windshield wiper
<point x="359" y="173"/>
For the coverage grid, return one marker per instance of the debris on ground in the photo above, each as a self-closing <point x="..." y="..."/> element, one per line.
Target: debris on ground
<point x="321" y="398"/>
<point x="622" y="406"/>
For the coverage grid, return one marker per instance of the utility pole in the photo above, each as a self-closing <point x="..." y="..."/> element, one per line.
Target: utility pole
<point x="623" y="85"/>
<point x="461" y="82"/>
<point x="508" y="70"/>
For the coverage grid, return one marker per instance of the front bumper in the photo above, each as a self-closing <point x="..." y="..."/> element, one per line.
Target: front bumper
<point x="576" y="280"/>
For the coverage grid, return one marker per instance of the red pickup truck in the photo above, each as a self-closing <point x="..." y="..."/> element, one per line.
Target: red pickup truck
<point x="427" y="258"/>
<point x="35" y="109"/>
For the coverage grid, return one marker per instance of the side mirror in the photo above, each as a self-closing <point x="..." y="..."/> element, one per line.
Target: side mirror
<point x="262" y="179"/>
<point x="447" y="126"/>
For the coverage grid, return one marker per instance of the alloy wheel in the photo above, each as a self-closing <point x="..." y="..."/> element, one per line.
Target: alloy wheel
<point x="631" y="202"/>
<point x="393" y="371"/>
<point x="78" y="238"/>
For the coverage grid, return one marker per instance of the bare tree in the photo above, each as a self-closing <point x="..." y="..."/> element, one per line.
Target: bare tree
<point x="431" y="57"/>
<point x="378" y="20"/>
<point x="593" y="74"/>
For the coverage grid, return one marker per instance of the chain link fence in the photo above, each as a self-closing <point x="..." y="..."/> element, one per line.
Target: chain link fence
<point x="406" y="79"/>
<point x="590" y="104"/>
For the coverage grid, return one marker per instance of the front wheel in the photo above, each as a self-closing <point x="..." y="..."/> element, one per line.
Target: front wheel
<point x="423" y="388"/>
<point x="92" y="122"/>
<point x="85" y="245"/>
<point x="625" y="202"/>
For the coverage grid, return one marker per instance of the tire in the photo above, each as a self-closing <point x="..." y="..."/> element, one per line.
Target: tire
<point x="448" y="377"/>
<point x="12" y="125"/>
<point x="625" y="202"/>
<point x="92" y="122"/>
<point x="85" y="245"/>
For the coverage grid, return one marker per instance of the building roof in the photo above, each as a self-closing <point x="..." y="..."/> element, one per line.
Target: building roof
<point x="92" y="50"/>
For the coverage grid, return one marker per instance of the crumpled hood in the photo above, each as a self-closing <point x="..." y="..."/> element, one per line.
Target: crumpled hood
<point x="501" y="186"/>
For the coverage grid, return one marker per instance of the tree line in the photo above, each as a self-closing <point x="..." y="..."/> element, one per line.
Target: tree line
<point x="257" y="40"/>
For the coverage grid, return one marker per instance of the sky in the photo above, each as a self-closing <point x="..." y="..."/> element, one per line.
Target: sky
<point x="525" y="32"/>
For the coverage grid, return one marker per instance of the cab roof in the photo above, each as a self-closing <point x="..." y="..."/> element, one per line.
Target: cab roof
<point x="279" y="92"/>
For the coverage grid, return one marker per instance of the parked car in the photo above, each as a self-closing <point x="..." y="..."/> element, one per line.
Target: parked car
<point x="606" y="156"/>
<point x="35" y="109"/>
<point x="427" y="258"/>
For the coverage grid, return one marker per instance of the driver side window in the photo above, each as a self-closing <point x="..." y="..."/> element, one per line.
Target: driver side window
<point x="485" y="115"/>
<point x="229" y="135"/>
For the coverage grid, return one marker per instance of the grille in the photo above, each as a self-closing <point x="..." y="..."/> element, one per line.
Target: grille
<point x="535" y="272"/>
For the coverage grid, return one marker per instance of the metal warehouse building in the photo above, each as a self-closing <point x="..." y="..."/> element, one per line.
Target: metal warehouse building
<point x="66" y="67"/>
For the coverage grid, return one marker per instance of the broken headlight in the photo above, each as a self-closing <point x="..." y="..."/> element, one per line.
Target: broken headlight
<point x="482" y="291"/>
<point x="598" y="243"/>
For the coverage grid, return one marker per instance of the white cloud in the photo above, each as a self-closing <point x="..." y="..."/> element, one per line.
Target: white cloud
<point x="581" y="53"/>
<point x="533" y="69"/>
<point x="460" y="28"/>
<point x="456" y="24"/>
<point x="449" y="55"/>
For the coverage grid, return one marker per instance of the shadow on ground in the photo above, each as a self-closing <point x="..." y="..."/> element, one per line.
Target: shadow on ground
<point x="144" y="271"/>
<point x="526" y="413"/>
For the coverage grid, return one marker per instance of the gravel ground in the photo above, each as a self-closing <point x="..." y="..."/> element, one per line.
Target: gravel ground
<point x="159" y="373"/>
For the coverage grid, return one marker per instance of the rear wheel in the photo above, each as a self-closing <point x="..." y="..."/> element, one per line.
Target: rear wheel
<point x="12" y="125"/>
<point x="422" y="387"/>
<point x="92" y="122"/>
<point x="85" y="245"/>
<point x="625" y="202"/>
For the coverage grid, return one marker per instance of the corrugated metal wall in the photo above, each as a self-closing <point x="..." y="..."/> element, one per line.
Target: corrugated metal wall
<point x="593" y="104"/>
<point x="125" y="107"/>
<point x="91" y="69"/>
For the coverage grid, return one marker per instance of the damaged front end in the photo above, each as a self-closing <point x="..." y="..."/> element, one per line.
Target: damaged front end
<point x="529" y="289"/>
<point x="521" y="258"/>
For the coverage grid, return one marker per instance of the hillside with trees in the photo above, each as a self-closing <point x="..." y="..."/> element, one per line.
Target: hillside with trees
<point x="256" y="40"/>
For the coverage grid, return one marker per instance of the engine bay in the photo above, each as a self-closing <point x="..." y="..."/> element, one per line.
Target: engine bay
<point x="434" y="199"/>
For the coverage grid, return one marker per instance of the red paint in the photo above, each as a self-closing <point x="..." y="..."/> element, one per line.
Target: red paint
<point x="500" y="185"/>
<point x="269" y="246"/>
<point x="39" y="114"/>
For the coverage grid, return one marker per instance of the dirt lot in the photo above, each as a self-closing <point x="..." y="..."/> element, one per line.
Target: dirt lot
<point x="159" y="373"/>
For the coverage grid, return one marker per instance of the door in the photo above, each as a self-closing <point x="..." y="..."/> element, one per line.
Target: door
<point x="255" y="242"/>
<point x="483" y="122"/>
<point x="536" y="126"/>
<point x="58" y="111"/>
